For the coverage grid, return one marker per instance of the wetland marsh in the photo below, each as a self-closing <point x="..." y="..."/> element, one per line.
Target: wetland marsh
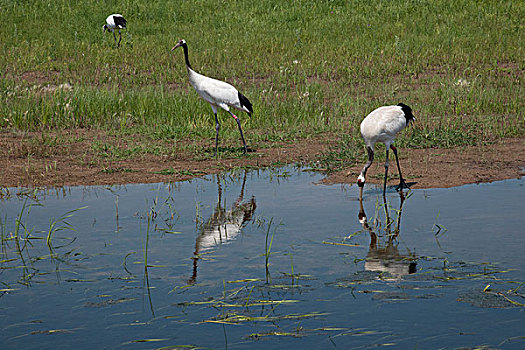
<point x="266" y="258"/>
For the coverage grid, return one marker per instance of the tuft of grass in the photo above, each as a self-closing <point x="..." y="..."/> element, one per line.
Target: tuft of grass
<point x="60" y="224"/>
<point x="268" y="248"/>
<point x="349" y="151"/>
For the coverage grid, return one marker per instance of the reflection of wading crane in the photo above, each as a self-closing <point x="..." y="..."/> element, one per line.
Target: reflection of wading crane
<point x="387" y="258"/>
<point x="223" y="225"/>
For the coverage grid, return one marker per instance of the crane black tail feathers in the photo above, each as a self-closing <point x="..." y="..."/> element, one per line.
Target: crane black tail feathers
<point x="119" y="21"/>
<point x="246" y="103"/>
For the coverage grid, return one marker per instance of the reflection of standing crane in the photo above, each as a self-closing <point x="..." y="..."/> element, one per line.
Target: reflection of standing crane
<point x="223" y="225"/>
<point x="387" y="258"/>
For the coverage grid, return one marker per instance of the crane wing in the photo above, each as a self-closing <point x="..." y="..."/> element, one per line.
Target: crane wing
<point x="215" y="91"/>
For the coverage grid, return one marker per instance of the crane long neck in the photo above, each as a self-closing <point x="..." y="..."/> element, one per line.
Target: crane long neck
<point x="185" y="47"/>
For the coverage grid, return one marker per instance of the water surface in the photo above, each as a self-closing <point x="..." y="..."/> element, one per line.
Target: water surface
<point x="262" y="259"/>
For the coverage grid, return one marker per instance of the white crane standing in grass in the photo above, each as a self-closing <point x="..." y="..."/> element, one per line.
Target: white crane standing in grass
<point x="382" y="125"/>
<point x="218" y="94"/>
<point x="113" y="22"/>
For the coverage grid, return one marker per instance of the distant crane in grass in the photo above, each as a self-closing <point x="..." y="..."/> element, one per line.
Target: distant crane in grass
<point x="218" y="94"/>
<point x="382" y="125"/>
<point x="115" y="22"/>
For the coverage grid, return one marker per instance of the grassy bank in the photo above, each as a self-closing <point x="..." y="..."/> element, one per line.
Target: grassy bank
<point x="308" y="67"/>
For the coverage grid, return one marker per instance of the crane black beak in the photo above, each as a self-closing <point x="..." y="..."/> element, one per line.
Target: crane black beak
<point x="174" y="47"/>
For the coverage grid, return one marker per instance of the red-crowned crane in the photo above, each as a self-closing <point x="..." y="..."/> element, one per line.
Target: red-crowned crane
<point x="115" y="22"/>
<point x="382" y="125"/>
<point x="218" y="94"/>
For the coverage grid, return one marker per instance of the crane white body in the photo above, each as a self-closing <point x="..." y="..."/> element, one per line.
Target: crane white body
<point x="218" y="94"/>
<point x="382" y="125"/>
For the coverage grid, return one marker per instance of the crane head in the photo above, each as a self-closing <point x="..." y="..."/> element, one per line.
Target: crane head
<point x="181" y="42"/>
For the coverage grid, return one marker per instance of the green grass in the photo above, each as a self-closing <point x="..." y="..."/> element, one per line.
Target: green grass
<point x="308" y="68"/>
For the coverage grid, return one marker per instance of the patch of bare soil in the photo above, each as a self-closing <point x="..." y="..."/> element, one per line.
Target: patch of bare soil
<point x="442" y="168"/>
<point x="29" y="160"/>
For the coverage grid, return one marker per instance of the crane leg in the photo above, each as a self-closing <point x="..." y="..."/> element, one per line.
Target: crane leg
<point x="240" y="130"/>
<point x="402" y="183"/>
<point x="386" y="172"/>
<point x="114" y="37"/>
<point x="217" y="128"/>
<point x="120" y="38"/>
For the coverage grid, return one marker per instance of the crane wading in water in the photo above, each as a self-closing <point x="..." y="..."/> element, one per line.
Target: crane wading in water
<point x="382" y="125"/>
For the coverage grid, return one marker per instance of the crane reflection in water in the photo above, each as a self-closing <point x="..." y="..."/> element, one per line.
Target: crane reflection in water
<point x="223" y="225"/>
<point x="385" y="257"/>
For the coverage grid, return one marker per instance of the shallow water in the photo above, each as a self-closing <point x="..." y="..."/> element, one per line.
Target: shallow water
<point x="167" y="265"/>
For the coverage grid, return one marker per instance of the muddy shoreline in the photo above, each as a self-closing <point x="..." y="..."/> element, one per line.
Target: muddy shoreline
<point x="25" y="165"/>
